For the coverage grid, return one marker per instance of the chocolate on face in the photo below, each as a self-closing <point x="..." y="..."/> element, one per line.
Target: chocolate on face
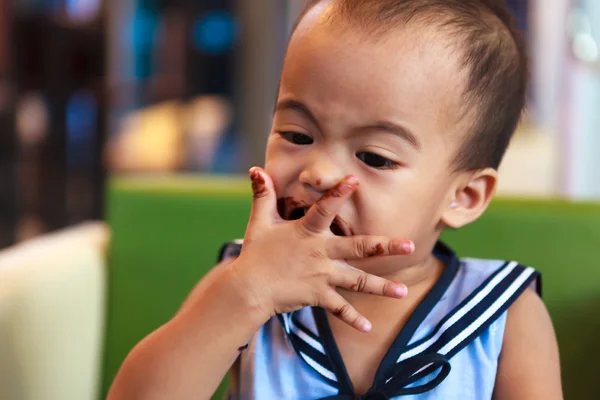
<point x="285" y="205"/>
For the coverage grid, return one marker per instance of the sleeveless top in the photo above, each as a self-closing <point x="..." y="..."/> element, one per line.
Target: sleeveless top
<point x="448" y="349"/>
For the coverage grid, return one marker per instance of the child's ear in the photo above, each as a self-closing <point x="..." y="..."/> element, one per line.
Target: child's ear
<point x="471" y="198"/>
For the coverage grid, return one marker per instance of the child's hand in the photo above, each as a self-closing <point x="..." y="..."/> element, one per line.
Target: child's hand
<point x="288" y="265"/>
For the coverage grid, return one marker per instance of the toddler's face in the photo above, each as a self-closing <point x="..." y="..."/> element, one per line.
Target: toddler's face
<point x="386" y="112"/>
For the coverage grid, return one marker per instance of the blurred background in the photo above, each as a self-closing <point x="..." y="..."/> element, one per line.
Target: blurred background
<point x="145" y="114"/>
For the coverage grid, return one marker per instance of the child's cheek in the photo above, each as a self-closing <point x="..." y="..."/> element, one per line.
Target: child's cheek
<point x="276" y="176"/>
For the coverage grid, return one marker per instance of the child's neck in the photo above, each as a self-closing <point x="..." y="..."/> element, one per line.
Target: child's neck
<point x="419" y="278"/>
<point x="362" y="353"/>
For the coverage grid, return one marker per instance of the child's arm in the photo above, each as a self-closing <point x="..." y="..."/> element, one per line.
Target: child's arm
<point x="529" y="366"/>
<point x="188" y="357"/>
<point x="283" y="266"/>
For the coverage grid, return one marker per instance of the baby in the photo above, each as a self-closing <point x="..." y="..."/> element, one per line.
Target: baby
<point x="392" y="118"/>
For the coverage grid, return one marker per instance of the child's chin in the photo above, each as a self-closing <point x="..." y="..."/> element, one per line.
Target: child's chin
<point x="381" y="265"/>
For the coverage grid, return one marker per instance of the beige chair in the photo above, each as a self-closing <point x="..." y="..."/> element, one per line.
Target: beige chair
<point x="52" y="302"/>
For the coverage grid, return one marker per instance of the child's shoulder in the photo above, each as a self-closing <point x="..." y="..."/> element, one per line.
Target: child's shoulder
<point x="499" y="273"/>
<point x="529" y="362"/>
<point x="486" y="282"/>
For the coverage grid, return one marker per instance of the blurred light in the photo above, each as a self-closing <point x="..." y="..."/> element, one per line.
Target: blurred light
<point x="585" y="47"/>
<point x="81" y="123"/>
<point x="82" y="11"/>
<point x="583" y="44"/>
<point x="32" y="119"/>
<point x="578" y="22"/>
<point x="206" y="120"/>
<point x="144" y="29"/>
<point x="149" y="140"/>
<point x="215" y="32"/>
<point x="143" y="34"/>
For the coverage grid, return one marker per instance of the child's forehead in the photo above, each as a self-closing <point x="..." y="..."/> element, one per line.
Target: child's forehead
<point x="425" y="44"/>
<point x="424" y="26"/>
<point x="342" y="73"/>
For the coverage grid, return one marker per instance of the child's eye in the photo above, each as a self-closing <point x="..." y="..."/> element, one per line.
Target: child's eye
<point x="297" y="138"/>
<point x="375" y="161"/>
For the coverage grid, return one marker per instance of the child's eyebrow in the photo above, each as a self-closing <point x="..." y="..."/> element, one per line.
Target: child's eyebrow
<point x="386" y="126"/>
<point x="396" y="130"/>
<point x="299" y="107"/>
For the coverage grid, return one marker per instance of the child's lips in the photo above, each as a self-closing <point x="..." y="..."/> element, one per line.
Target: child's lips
<point x="345" y="229"/>
<point x="287" y="205"/>
<point x="292" y="209"/>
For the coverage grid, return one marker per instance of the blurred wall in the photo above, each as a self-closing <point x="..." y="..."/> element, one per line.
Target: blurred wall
<point x="260" y="59"/>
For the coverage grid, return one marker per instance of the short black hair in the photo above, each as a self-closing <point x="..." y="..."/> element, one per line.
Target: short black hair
<point x="492" y="52"/>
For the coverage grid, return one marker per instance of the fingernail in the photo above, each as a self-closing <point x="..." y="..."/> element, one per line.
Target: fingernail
<point x="259" y="186"/>
<point x="343" y="188"/>
<point x="408" y="247"/>
<point x="348" y="185"/>
<point x="401" y="291"/>
<point x="254" y="173"/>
<point x="365" y="326"/>
<point x="351" y="180"/>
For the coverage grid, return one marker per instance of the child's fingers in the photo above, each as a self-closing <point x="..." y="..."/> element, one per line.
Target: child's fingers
<point x="338" y="306"/>
<point x="264" y="204"/>
<point x="357" y="247"/>
<point x="320" y="216"/>
<point x="355" y="280"/>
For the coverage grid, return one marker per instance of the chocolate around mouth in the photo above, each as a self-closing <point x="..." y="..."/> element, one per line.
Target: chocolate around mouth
<point x="291" y="210"/>
<point x="287" y="205"/>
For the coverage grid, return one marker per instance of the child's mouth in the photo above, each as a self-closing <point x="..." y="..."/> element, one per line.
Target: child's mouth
<point x="291" y="210"/>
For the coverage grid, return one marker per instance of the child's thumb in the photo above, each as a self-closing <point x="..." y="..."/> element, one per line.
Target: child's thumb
<point x="264" y="205"/>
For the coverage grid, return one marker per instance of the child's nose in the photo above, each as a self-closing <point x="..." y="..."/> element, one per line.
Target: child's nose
<point x="321" y="174"/>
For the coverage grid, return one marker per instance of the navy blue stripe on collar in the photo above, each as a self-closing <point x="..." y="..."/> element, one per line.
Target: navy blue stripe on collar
<point x="473" y="305"/>
<point x="301" y="327"/>
<point x="467" y="304"/>
<point x="230" y="249"/>
<point x="388" y="364"/>
<point x="486" y="312"/>
<point x="473" y="316"/>
<point x="311" y="351"/>
<point x="345" y="385"/>
<point x="316" y="356"/>
<point x="446" y="255"/>
<point x="403" y="372"/>
<point x="396" y="374"/>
